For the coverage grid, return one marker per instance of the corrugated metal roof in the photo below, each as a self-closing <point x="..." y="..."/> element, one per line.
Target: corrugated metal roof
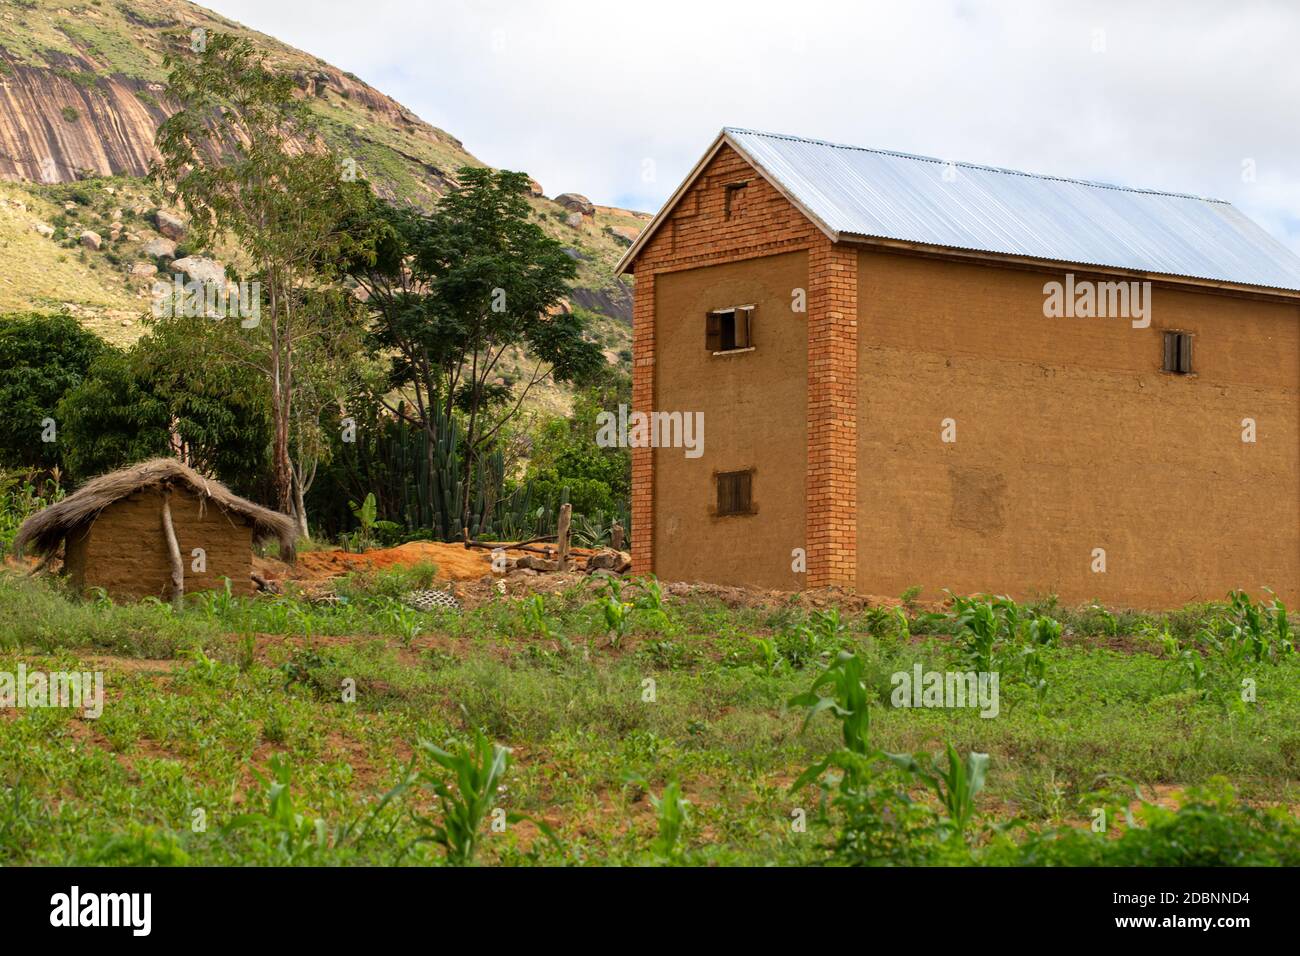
<point x="874" y="193"/>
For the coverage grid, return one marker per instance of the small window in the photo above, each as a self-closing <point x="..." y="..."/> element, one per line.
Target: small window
<point x="1178" y="353"/>
<point x="728" y="330"/>
<point x="734" y="493"/>
<point x="732" y="196"/>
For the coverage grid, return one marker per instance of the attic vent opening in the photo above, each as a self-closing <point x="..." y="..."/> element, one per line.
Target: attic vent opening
<point x="1178" y="353"/>
<point x="729" y="330"/>
<point x="732" y="196"/>
<point x="735" y="493"/>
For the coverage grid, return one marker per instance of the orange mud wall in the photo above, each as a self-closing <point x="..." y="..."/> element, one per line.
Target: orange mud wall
<point x="125" y="552"/>
<point x="754" y="406"/>
<point x="1069" y="438"/>
<point x="780" y="409"/>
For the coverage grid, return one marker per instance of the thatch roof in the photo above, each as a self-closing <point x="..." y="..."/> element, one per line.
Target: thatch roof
<point x="46" y="529"/>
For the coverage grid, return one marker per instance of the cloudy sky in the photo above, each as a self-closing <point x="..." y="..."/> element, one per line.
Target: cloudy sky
<point x="617" y="100"/>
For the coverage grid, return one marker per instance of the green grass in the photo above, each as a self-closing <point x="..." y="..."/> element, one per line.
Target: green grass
<point x="200" y="703"/>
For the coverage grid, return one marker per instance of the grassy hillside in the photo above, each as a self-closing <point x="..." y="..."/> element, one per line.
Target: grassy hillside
<point x="82" y="91"/>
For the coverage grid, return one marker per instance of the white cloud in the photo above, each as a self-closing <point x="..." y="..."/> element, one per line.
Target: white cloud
<point x="582" y="93"/>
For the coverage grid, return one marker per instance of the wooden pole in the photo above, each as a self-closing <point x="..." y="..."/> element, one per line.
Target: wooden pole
<point x="562" y="537"/>
<point x="174" y="551"/>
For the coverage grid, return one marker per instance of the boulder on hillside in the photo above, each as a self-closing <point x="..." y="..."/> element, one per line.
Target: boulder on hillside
<point x="576" y="203"/>
<point x="143" y="269"/>
<point x="535" y="188"/>
<point x="573" y="220"/>
<point x="160" y="248"/>
<point x="202" y="269"/>
<point x="44" y="228"/>
<point x="169" y="225"/>
<point x="91" y="240"/>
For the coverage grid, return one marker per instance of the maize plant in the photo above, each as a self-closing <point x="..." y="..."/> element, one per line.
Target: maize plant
<point x="672" y="813"/>
<point x="402" y="621"/>
<point x="875" y="813"/>
<point x="995" y="634"/>
<point x="768" y="656"/>
<point x="466" y="793"/>
<point x="298" y="837"/>
<point x="534" y="610"/>
<point x="956" y="785"/>
<point x="617" y="613"/>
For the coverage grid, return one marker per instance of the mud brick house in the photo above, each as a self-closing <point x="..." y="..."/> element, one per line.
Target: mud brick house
<point x="919" y="372"/>
<point x="156" y="529"/>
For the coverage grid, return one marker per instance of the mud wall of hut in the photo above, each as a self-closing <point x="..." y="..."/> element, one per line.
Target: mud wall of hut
<point x="125" y="552"/>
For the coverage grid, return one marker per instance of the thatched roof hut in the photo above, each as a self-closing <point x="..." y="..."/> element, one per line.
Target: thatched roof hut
<point x="127" y="531"/>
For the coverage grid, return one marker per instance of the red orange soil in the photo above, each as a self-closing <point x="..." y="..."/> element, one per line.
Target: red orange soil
<point x="454" y="562"/>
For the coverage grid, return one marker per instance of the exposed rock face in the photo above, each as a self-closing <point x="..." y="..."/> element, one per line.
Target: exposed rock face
<point x="577" y="203"/>
<point x="82" y="94"/>
<point x="143" y="269"/>
<point x="202" y="269"/>
<point x="91" y="240"/>
<point x="52" y="129"/>
<point x="169" y="225"/>
<point x="614" y="301"/>
<point x="157" y="248"/>
<point x="57" y="130"/>
<point x="626" y="232"/>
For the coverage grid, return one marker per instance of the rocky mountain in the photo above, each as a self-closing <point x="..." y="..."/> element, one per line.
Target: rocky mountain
<point x="82" y="92"/>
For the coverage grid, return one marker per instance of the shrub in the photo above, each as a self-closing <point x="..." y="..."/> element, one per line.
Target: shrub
<point x="42" y="358"/>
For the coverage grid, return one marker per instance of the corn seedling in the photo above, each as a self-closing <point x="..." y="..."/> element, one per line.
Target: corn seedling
<point x="956" y="784"/>
<point x="535" y="617"/>
<point x="672" y="813"/>
<point x="650" y="601"/>
<point x="769" y="658"/>
<point x="402" y="621"/>
<point x="466" y="791"/>
<point x="616" y="612"/>
<point x="848" y="703"/>
<point x="297" y="837"/>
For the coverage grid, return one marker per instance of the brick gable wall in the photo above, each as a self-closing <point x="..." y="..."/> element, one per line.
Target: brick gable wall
<point x="699" y="233"/>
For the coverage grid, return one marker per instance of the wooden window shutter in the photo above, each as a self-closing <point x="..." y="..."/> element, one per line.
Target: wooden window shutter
<point x="713" y="332"/>
<point x="735" y="493"/>
<point x="742" y="328"/>
<point x="1178" y="352"/>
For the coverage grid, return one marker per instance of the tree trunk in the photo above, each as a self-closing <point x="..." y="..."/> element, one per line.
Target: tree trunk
<point x="562" y="537"/>
<point x="299" y="506"/>
<point x="173" y="552"/>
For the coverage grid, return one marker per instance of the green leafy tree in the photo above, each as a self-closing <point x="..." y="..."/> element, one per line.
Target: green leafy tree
<point x="151" y="401"/>
<point x="455" y="291"/>
<point x="243" y="158"/>
<point x="42" y="357"/>
<point x="565" y="453"/>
